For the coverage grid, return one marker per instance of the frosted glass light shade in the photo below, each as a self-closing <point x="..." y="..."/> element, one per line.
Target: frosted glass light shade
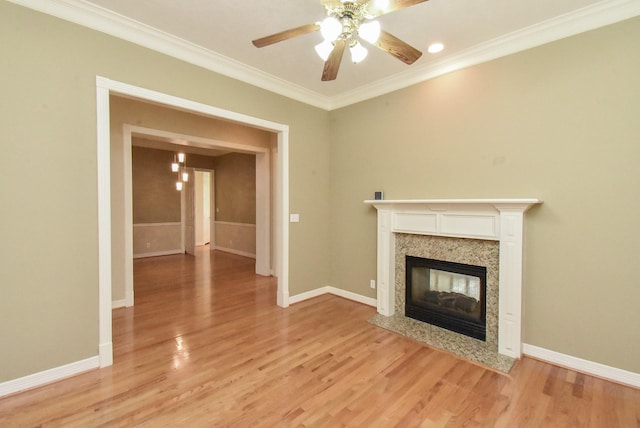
<point x="370" y="31"/>
<point x="175" y="166"/>
<point x="181" y="157"/>
<point x="358" y="53"/>
<point x="185" y="176"/>
<point x="324" y="49"/>
<point x="178" y="185"/>
<point x="330" y="28"/>
<point x="382" y="5"/>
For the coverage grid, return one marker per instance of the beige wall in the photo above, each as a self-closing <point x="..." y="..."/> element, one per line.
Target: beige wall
<point x="559" y="123"/>
<point x="49" y="303"/>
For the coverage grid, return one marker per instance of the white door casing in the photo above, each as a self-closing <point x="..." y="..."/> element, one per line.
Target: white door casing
<point x="105" y="87"/>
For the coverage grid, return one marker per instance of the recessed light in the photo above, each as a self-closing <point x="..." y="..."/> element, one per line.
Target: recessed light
<point x="435" y="48"/>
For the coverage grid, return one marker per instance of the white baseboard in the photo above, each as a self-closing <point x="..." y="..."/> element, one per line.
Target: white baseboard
<point x="370" y="301"/>
<point x="48" y="376"/>
<point x="105" y="354"/>
<point x="308" y="295"/>
<point x="119" y="304"/>
<point x="237" y="252"/>
<point x="584" y="366"/>
<point x="335" y="291"/>
<point x="158" y="253"/>
<point x="127" y="302"/>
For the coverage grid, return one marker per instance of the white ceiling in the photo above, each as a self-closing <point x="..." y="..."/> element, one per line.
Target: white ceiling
<point x="217" y="34"/>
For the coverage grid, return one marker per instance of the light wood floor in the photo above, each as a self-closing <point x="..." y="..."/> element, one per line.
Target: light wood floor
<point x="207" y="346"/>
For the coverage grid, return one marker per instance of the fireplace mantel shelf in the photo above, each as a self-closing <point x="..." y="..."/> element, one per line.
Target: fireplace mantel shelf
<point x="491" y="219"/>
<point x="418" y="202"/>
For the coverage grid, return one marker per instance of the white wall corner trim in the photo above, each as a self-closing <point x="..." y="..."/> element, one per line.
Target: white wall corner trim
<point x="584" y="366"/>
<point x="41" y="378"/>
<point x="369" y="301"/>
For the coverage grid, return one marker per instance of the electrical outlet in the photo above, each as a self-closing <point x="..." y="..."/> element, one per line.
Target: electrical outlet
<point x="148" y="244"/>
<point x="373" y="283"/>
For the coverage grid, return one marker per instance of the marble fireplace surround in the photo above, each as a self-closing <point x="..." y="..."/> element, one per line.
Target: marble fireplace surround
<point x="500" y="220"/>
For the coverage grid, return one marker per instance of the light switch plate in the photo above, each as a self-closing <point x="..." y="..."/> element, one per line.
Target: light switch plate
<point x="294" y="218"/>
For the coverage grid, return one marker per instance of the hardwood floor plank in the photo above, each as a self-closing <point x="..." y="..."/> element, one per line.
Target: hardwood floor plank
<point x="205" y="345"/>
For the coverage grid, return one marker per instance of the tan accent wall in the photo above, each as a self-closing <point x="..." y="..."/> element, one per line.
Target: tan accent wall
<point x="153" y="239"/>
<point x="559" y="123"/>
<point x="235" y="188"/>
<point x="237" y="238"/>
<point x="155" y="198"/>
<point x="49" y="304"/>
<point x="235" y="201"/>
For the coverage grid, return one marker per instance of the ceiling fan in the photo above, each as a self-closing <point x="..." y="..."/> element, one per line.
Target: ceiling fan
<point x="347" y="22"/>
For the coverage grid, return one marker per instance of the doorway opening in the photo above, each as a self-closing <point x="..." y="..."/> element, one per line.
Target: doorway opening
<point x="204" y="206"/>
<point x="199" y="148"/>
<point x="122" y="227"/>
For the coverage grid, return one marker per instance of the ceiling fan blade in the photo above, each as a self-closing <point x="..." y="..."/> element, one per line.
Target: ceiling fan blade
<point x="393" y="6"/>
<point x="285" y="35"/>
<point x="396" y="47"/>
<point x="332" y="65"/>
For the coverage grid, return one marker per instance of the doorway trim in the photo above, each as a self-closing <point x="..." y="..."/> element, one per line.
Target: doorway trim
<point x="212" y="203"/>
<point x="105" y="87"/>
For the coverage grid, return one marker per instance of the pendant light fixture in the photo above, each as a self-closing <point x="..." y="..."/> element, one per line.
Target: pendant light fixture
<point x="179" y="165"/>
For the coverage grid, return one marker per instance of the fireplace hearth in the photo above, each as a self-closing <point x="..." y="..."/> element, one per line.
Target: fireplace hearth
<point x="447" y="294"/>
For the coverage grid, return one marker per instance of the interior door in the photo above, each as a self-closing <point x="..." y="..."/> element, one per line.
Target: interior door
<point x="190" y="214"/>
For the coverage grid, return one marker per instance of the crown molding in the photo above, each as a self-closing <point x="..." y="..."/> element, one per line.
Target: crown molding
<point x="122" y="27"/>
<point x="591" y="17"/>
<point x="89" y="15"/>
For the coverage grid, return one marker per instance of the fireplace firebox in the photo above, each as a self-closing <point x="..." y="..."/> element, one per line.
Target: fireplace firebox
<point x="448" y="295"/>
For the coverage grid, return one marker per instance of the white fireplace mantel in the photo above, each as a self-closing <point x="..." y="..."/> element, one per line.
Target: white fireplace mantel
<point x="492" y="219"/>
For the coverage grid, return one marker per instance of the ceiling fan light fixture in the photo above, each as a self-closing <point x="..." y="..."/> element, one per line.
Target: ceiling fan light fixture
<point x="358" y="52"/>
<point x="324" y="49"/>
<point x="370" y="31"/>
<point x="330" y="28"/>
<point x="382" y="5"/>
